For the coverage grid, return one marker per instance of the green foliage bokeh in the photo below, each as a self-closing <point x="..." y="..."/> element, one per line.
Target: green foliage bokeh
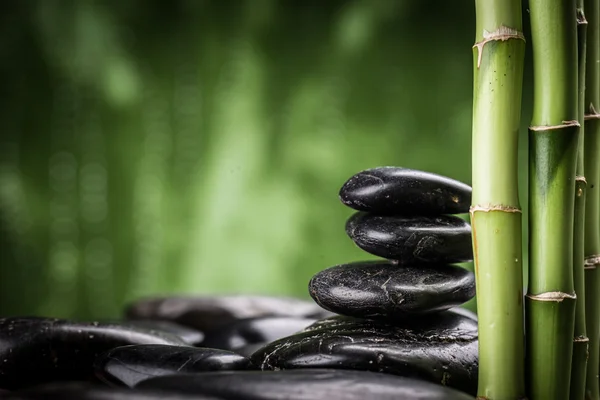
<point x="153" y="147"/>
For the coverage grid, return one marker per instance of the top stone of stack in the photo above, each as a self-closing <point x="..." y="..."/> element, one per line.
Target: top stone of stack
<point x="402" y="191"/>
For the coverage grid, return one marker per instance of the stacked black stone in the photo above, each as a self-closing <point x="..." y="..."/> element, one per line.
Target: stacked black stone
<point x="396" y="315"/>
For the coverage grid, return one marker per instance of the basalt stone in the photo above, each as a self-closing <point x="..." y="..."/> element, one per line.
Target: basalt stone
<point x="38" y="350"/>
<point x="213" y="312"/>
<point x="313" y="384"/>
<point x="440" y="348"/>
<point x="189" y="335"/>
<point x="254" y="330"/>
<point x="86" y="391"/>
<point x="412" y="240"/>
<point x="384" y="290"/>
<point x="394" y="190"/>
<point x="128" y="365"/>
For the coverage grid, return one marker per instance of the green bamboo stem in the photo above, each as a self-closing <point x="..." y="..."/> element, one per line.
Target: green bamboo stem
<point x="498" y="57"/>
<point x="592" y="206"/>
<point x="580" y="339"/>
<point x="553" y="143"/>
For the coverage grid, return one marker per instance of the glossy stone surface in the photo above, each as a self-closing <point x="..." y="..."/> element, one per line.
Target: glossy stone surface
<point x="464" y="312"/>
<point x="313" y="384"/>
<point x="207" y="313"/>
<point x="128" y="365"/>
<point x="254" y="330"/>
<point x="38" y="350"/>
<point x="412" y="240"/>
<point x="441" y="348"/>
<point x="385" y="290"/>
<point x="395" y="190"/>
<point x="86" y="391"/>
<point x="189" y="335"/>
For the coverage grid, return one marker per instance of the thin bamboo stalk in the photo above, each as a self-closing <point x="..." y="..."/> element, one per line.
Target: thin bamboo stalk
<point x="580" y="339"/>
<point x="495" y="214"/>
<point x="553" y="143"/>
<point x="592" y="206"/>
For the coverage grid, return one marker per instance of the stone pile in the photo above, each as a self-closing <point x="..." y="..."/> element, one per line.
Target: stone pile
<point x="386" y="329"/>
<point x="393" y="312"/>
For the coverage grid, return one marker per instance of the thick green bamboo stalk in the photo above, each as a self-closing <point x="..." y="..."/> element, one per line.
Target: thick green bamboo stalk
<point x="592" y="206"/>
<point x="498" y="57"/>
<point x="553" y="144"/>
<point x="580" y="339"/>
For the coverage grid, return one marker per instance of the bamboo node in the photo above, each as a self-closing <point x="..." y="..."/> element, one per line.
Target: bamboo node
<point x="565" y="124"/>
<point x="581" y="17"/>
<point x="580" y="178"/>
<point x="590" y="262"/>
<point x="493" y="207"/>
<point x="581" y="339"/>
<point x="593" y="114"/>
<point x="501" y="34"/>
<point x="556" y="297"/>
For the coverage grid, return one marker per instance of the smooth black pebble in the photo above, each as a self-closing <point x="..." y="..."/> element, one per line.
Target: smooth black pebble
<point x="38" y="350"/>
<point x="410" y="240"/>
<point x="440" y="348"/>
<point x="255" y="330"/>
<point x="128" y="365"/>
<point x="208" y="313"/>
<point x="385" y="290"/>
<point x="189" y="335"/>
<point x="402" y="191"/>
<point x="86" y="391"/>
<point x="313" y="384"/>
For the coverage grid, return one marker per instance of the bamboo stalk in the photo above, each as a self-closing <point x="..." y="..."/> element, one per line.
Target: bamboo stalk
<point x="580" y="339"/>
<point x="495" y="214"/>
<point x="592" y="206"/>
<point x="553" y="143"/>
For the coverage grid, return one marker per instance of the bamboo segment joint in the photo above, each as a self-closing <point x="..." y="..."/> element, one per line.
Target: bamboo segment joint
<point x="565" y="124"/>
<point x="591" y="262"/>
<point x="493" y="207"/>
<point x="581" y="339"/>
<point x="556" y="297"/>
<point x="580" y="178"/>
<point x="581" y="17"/>
<point x="501" y="34"/>
<point x="593" y="114"/>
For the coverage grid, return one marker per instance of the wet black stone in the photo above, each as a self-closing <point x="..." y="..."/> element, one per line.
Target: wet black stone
<point x="189" y="335"/>
<point x="385" y="290"/>
<point x="441" y="348"/>
<point x="85" y="391"/>
<point x="412" y="240"/>
<point x="38" y="350"/>
<point x="250" y="349"/>
<point x="254" y="330"/>
<point x="128" y="365"/>
<point x="213" y="312"/>
<point x="313" y="384"/>
<point x="395" y="190"/>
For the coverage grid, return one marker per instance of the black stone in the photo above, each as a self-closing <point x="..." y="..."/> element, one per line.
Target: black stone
<point x="410" y="240"/>
<point x="128" y="365"/>
<point x="385" y="290"/>
<point x="213" y="312"/>
<point x="394" y="190"/>
<point x="254" y="330"/>
<point x="189" y="335"/>
<point x="441" y="348"/>
<point x="39" y="350"/>
<point x="313" y="384"/>
<point x="86" y="391"/>
<point x="250" y="349"/>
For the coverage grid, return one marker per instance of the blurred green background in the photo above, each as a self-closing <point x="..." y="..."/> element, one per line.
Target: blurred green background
<point x="152" y="147"/>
